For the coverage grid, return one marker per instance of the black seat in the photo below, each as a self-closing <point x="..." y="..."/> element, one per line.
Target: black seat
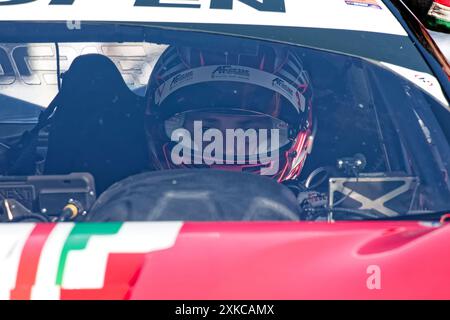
<point x="98" y="125"/>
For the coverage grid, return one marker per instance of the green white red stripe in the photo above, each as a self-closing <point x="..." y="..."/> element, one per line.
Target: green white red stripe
<point x="440" y="11"/>
<point x="42" y="261"/>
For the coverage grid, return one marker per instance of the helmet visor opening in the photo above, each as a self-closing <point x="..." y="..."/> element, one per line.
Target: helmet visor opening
<point x="234" y="96"/>
<point x="235" y="134"/>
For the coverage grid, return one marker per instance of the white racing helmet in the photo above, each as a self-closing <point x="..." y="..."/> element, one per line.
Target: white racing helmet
<point x="197" y="100"/>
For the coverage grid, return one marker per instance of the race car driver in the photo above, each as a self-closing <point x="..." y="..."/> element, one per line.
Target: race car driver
<point x="263" y="90"/>
<point x="196" y="97"/>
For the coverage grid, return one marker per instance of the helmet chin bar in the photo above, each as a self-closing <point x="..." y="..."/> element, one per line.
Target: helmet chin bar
<point x="254" y="168"/>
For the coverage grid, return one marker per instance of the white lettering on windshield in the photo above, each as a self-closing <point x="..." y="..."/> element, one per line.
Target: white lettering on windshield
<point x="265" y="5"/>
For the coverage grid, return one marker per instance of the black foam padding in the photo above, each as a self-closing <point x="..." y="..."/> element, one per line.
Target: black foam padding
<point x="196" y="195"/>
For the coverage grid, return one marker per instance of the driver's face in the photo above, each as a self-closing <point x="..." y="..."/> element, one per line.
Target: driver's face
<point x="223" y="122"/>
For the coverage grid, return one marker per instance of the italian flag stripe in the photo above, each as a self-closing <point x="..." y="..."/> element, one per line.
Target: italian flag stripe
<point x="29" y="261"/>
<point x="69" y="260"/>
<point x="443" y="22"/>
<point x="45" y="287"/>
<point x="79" y="238"/>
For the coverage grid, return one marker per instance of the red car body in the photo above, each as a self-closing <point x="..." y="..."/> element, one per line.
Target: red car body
<point x="248" y="260"/>
<point x="352" y="260"/>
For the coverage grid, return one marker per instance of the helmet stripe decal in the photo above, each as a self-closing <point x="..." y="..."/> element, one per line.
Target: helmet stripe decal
<point x="233" y="74"/>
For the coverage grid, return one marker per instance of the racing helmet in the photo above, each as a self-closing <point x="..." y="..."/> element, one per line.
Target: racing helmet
<point x="241" y="111"/>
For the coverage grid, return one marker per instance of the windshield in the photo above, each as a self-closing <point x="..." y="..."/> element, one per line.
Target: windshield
<point x="339" y="132"/>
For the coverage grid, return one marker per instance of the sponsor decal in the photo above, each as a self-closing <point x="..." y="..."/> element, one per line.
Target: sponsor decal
<point x="290" y="90"/>
<point x="364" y="3"/>
<point x="280" y="83"/>
<point x="230" y="72"/>
<point x="181" y="78"/>
<point x="423" y="80"/>
<point x="53" y="261"/>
